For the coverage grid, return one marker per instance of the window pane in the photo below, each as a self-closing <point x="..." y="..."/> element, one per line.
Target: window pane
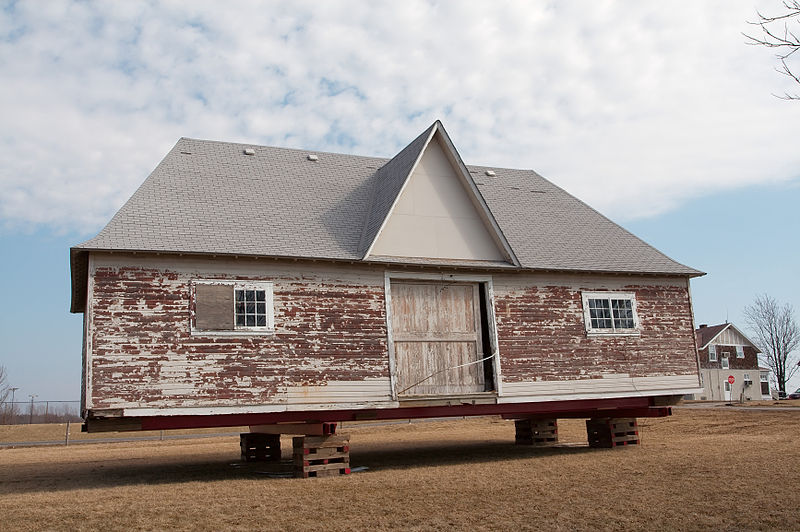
<point x="250" y="309"/>
<point x="600" y="313"/>
<point x="623" y="313"/>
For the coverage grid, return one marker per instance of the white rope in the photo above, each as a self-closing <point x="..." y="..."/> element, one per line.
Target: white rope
<point x="447" y="369"/>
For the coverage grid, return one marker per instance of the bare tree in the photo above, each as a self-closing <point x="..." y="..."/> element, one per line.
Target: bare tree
<point x="777" y="335"/>
<point x="778" y="34"/>
<point x="5" y="389"/>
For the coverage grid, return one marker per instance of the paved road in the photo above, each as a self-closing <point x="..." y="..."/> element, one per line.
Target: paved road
<point x="115" y="440"/>
<point x="734" y="406"/>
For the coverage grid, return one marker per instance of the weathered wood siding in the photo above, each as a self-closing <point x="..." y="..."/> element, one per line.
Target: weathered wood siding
<point x="545" y="350"/>
<point x="329" y="344"/>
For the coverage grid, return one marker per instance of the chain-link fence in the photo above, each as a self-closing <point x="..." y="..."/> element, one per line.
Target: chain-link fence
<point x="29" y="412"/>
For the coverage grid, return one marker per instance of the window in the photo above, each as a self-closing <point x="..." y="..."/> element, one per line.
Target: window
<point x="727" y="386"/>
<point x="251" y="307"/>
<point x="764" y="376"/>
<point x="725" y="363"/>
<point x="747" y="380"/>
<point x="610" y="313"/>
<point x="712" y="353"/>
<point x="739" y="351"/>
<point x="232" y="307"/>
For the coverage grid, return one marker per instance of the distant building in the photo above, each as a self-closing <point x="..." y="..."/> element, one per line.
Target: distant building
<point x="729" y="369"/>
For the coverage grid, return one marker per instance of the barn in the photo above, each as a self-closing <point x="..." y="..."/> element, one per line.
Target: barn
<point x="262" y="286"/>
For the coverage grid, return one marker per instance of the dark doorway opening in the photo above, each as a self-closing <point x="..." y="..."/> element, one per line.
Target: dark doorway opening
<point x="488" y="365"/>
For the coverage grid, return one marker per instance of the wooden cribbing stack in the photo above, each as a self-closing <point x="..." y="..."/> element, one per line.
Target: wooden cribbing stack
<point x="536" y="431"/>
<point x="321" y="456"/>
<point x="260" y="447"/>
<point x="612" y="432"/>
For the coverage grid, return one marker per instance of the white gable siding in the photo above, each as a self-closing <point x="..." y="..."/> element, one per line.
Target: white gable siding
<point x="730" y="337"/>
<point x="435" y="217"/>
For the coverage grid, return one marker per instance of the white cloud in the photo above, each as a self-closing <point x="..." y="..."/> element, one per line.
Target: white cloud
<point x="632" y="106"/>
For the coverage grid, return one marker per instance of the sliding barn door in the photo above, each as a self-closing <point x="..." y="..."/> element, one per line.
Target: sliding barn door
<point x="436" y="327"/>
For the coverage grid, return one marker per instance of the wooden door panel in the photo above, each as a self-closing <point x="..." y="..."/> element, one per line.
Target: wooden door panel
<point x="412" y="306"/>
<point x="435" y="328"/>
<point x="465" y="379"/>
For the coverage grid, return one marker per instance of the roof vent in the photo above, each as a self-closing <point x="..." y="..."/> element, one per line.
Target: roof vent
<point x="249" y="151"/>
<point x="312" y="157"/>
<point x="491" y="173"/>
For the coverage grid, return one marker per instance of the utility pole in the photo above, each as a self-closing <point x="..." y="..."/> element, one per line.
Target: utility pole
<point x="13" y="410"/>
<point x="32" y="396"/>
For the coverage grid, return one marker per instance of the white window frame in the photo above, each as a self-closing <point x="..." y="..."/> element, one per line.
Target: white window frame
<point x="712" y="353"/>
<point x="239" y="284"/>
<point x="746" y="377"/>
<point x="587" y="318"/>
<point x="727" y="386"/>
<point x="725" y="362"/>
<point x="739" y="351"/>
<point x="763" y="376"/>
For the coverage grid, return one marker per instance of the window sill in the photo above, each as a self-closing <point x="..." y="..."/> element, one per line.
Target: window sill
<point x="234" y="333"/>
<point x="613" y="333"/>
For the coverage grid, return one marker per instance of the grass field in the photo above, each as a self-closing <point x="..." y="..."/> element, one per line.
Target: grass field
<point x="700" y="469"/>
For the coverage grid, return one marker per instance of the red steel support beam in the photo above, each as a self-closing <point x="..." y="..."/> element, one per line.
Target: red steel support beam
<point x="587" y="408"/>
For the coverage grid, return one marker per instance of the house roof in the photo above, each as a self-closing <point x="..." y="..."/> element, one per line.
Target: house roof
<point x="209" y="197"/>
<point x="707" y="334"/>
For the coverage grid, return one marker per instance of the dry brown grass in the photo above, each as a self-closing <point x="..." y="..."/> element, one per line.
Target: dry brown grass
<point x="700" y="469"/>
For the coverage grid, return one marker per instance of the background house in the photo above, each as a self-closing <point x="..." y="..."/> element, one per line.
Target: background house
<point x="726" y="355"/>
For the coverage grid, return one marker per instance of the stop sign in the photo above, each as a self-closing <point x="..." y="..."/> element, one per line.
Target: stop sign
<point x="731" y="380"/>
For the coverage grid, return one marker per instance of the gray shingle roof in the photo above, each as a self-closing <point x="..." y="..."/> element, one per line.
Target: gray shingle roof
<point x="209" y="197"/>
<point x="386" y="185"/>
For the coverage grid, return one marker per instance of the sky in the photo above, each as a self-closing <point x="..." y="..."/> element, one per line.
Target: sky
<point x="662" y="119"/>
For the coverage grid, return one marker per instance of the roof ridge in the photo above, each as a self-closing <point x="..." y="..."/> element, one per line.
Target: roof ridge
<point x="299" y="150"/>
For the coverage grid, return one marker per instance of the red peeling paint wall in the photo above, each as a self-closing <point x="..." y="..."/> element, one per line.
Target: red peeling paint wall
<point x="330" y="343"/>
<point x="143" y="354"/>
<point x="542" y="334"/>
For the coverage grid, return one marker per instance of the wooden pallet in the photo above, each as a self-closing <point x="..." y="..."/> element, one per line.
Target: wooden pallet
<point x="321" y="456"/>
<point x="612" y="432"/>
<point x="536" y="431"/>
<point x="258" y="447"/>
